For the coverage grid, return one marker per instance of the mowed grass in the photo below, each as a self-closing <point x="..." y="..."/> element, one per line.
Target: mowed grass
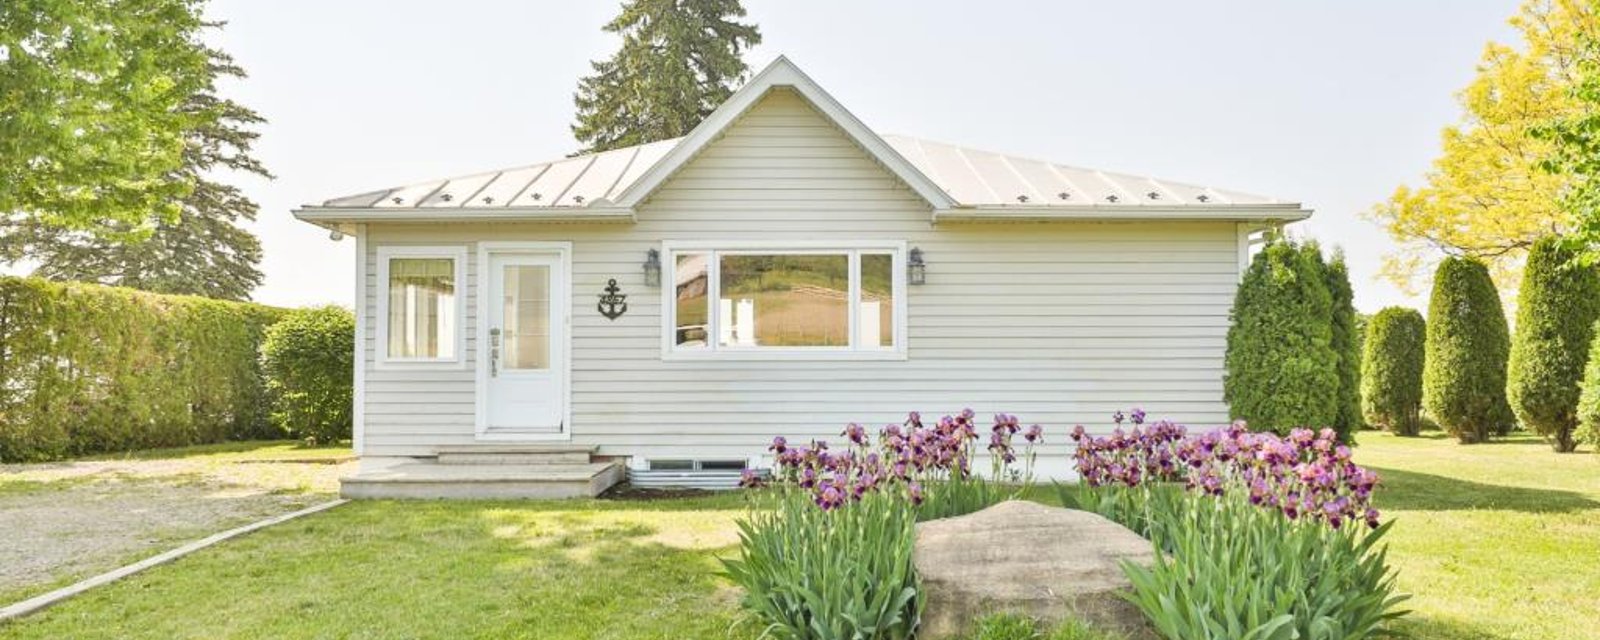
<point x="1497" y="540"/>
<point x="1494" y="541"/>
<point x="572" y="569"/>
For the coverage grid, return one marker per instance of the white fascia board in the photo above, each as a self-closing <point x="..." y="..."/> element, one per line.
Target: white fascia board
<point x="323" y="215"/>
<point x="783" y="73"/>
<point x="1274" y="212"/>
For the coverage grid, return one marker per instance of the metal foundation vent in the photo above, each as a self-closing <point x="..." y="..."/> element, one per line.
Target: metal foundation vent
<point x="714" y="475"/>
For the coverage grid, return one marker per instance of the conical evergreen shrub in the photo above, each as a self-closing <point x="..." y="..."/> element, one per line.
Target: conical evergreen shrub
<point x="1589" y="396"/>
<point x="1464" y="377"/>
<point x="1556" y="311"/>
<point x="1346" y="346"/>
<point x="1282" y="371"/>
<point x="1391" y="370"/>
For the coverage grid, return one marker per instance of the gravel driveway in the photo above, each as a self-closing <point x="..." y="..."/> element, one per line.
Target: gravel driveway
<point x="65" y="521"/>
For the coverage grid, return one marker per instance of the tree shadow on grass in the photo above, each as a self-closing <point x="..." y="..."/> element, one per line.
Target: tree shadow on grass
<point x="1412" y="491"/>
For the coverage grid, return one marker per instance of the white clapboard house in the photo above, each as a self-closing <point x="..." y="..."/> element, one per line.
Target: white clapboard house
<point x="661" y="312"/>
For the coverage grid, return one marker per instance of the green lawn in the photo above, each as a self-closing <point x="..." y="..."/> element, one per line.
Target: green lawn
<point x="1495" y="541"/>
<point x="1498" y="540"/>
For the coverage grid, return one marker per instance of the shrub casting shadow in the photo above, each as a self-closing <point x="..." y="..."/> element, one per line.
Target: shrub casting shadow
<point x="1412" y="491"/>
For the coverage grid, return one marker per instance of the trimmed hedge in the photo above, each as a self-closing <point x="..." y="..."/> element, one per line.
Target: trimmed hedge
<point x="89" y="369"/>
<point x="1391" y="370"/>
<point x="1282" y="371"/>
<point x="307" y="358"/>
<point x="1346" y="344"/>
<point x="1589" y="398"/>
<point x="1556" y="311"/>
<point x="1464" y="377"/>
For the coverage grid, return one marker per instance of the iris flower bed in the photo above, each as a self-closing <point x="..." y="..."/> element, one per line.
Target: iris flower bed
<point x="1257" y="536"/>
<point x="827" y="553"/>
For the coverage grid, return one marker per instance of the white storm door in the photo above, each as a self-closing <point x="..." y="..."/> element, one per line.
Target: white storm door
<point x="525" y="327"/>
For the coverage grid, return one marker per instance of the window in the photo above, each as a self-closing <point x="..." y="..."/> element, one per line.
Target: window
<point x="737" y="300"/>
<point x="419" y="303"/>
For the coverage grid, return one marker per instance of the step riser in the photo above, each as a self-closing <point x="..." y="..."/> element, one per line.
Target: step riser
<point x="466" y="490"/>
<point x="514" y="458"/>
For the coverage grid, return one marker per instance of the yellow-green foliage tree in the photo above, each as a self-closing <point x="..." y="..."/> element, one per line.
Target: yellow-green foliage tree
<point x="1486" y="196"/>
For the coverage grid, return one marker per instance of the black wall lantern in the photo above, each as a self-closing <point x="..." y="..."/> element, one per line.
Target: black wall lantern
<point x="652" y="268"/>
<point x="916" y="269"/>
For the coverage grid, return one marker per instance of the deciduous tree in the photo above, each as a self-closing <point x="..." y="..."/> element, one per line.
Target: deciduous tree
<point x="1486" y="196"/>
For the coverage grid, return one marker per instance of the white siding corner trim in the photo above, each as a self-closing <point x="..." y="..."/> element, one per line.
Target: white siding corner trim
<point x="896" y="248"/>
<point x="457" y="254"/>
<point x="358" y="409"/>
<point x="481" y="376"/>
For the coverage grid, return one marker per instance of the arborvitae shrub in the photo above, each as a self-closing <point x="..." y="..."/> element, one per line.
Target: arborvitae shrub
<point x="1464" y="377"/>
<point x="1345" y="341"/>
<point x="1589" y="397"/>
<point x="1556" y="310"/>
<point x="308" y="359"/>
<point x="1391" y="370"/>
<point x="1282" y="371"/>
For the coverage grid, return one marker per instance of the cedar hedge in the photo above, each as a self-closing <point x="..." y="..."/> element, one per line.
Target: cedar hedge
<point x="1391" y="370"/>
<point x="1467" y="344"/>
<point x="307" y="358"/>
<point x="1556" y="311"/>
<point x="1280" y="361"/>
<point x="90" y="369"/>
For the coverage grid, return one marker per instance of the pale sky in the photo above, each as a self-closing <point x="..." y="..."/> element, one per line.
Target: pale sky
<point x="1330" y="103"/>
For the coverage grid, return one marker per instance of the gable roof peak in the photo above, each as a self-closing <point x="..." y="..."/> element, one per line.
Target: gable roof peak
<point x="783" y="72"/>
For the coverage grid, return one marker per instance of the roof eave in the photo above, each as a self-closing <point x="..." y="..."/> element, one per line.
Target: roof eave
<point x="321" y="215"/>
<point x="1292" y="212"/>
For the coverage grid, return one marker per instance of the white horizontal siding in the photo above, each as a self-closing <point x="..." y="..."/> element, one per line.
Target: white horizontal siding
<point x="1061" y="323"/>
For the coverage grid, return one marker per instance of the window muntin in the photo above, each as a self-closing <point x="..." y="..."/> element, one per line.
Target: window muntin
<point x="802" y="299"/>
<point x="422" y="308"/>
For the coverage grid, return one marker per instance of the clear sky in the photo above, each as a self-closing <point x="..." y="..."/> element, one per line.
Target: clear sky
<point x="1330" y="103"/>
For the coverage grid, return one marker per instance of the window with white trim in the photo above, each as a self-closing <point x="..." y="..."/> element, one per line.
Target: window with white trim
<point x="420" y="306"/>
<point x="776" y="299"/>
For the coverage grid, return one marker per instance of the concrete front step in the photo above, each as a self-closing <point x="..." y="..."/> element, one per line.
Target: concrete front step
<point x="427" y="480"/>
<point x="515" y="454"/>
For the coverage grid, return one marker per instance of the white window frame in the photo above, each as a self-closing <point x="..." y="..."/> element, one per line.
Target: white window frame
<point x="458" y="255"/>
<point x="712" y="351"/>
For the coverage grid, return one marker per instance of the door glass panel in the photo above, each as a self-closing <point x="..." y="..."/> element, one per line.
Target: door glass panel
<point x="526" y="309"/>
<point x="780" y="300"/>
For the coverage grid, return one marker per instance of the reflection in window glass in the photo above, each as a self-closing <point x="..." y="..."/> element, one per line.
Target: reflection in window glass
<point x="875" y="316"/>
<point x="692" y="281"/>
<point x="526" y="320"/>
<point x="422" y="308"/>
<point x="793" y="300"/>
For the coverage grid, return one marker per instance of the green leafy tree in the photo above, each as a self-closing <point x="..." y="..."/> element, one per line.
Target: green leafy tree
<point x="1282" y="371"/>
<point x="1589" y="398"/>
<point x="1556" y="311"/>
<point x="1391" y="370"/>
<point x="95" y="109"/>
<point x="679" y="60"/>
<point x="1346" y="344"/>
<point x="307" y="359"/>
<point x="1576" y="156"/>
<point x="203" y="251"/>
<point x="1467" y="345"/>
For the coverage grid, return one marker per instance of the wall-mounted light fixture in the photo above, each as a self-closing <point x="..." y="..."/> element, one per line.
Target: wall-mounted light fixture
<point x="916" y="269"/>
<point x="652" y="268"/>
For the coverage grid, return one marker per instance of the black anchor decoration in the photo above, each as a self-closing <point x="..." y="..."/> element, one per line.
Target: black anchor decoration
<point x="613" y="303"/>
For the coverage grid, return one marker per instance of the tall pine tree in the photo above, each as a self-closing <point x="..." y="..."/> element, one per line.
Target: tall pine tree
<point x="203" y="251"/>
<point x="679" y="60"/>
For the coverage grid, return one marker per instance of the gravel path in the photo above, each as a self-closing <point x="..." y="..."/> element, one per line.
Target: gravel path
<point x="64" y="521"/>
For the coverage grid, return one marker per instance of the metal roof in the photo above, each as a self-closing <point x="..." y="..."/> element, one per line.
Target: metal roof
<point x="972" y="177"/>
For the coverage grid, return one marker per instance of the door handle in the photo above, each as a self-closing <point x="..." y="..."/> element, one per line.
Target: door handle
<point x="494" y="352"/>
